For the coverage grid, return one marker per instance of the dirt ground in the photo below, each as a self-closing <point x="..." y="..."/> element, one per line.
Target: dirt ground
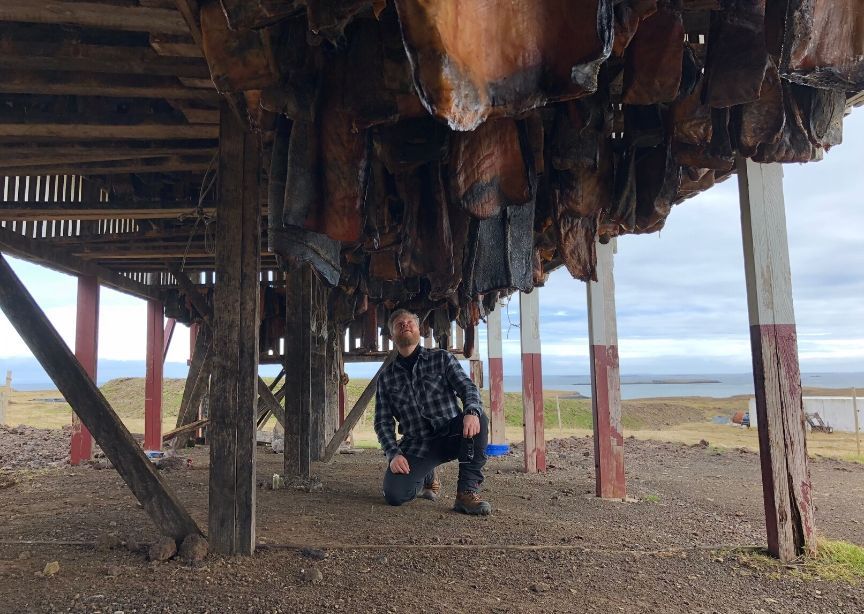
<point x="549" y="545"/>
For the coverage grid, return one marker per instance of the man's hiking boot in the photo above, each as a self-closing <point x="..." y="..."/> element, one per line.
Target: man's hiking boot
<point x="432" y="489"/>
<point x="471" y="503"/>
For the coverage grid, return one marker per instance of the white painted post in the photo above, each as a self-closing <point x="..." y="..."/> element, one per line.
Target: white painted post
<point x="558" y="409"/>
<point x="496" y="377"/>
<point x="855" y="413"/>
<point x="786" y="482"/>
<point x="532" y="381"/>
<point x="605" y="378"/>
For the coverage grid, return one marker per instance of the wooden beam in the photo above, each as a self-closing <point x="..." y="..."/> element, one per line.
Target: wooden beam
<point x="57" y="83"/>
<point x="169" y="164"/>
<point x="78" y="131"/>
<point x="269" y="403"/>
<point x="60" y="259"/>
<point x="297" y="364"/>
<point x="234" y="397"/>
<point x="87" y="401"/>
<point x="786" y="486"/>
<point x="186" y="429"/>
<point x="94" y="15"/>
<point x="11" y="161"/>
<point x="108" y="59"/>
<point x="532" y="381"/>
<point x="116" y="210"/>
<point x="605" y="378"/>
<point x="356" y="412"/>
<point x="167" y="336"/>
<point x="197" y="382"/>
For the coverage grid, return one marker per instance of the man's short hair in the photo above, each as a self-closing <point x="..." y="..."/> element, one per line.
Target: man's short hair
<point x="398" y="314"/>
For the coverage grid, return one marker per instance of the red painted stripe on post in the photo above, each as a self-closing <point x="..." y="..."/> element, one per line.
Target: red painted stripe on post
<point x="776" y="372"/>
<point x="86" y="351"/>
<point x="608" y="439"/>
<point x="153" y="378"/>
<point x="532" y="403"/>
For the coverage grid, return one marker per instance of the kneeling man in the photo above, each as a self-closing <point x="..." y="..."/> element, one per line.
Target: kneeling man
<point x="418" y="390"/>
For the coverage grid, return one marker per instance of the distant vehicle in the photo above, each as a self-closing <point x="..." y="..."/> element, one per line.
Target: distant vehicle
<point x="746" y="420"/>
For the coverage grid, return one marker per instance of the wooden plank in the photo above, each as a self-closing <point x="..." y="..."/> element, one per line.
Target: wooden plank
<point x="79" y="131"/>
<point x="356" y="412"/>
<point x="87" y="353"/>
<point x="234" y="398"/>
<point x="197" y="383"/>
<point x="67" y="55"/>
<point x="318" y="374"/>
<point x="94" y="15"/>
<point x="60" y="259"/>
<point x="154" y="210"/>
<point x="167" y="336"/>
<point x="169" y="164"/>
<point x="605" y="379"/>
<point x="786" y="486"/>
<point x="159" y="502"/>
<point x="186" y="429"/>
<point x="268" y="403"/>
<point x="496" y="377"/>
<point x="68" y="83"/>
<point x="532" y="382"/>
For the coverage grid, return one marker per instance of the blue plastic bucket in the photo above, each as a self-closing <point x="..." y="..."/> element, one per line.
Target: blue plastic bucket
<point x="497" y="449"/>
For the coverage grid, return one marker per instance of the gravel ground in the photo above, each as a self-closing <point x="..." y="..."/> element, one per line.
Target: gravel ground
<point x="550" y="545"/>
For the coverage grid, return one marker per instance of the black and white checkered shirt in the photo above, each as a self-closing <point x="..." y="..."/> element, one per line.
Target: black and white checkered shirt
<point x="422" y="401"/>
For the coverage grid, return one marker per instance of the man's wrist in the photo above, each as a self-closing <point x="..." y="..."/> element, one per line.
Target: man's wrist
<point x="473" y="411"/>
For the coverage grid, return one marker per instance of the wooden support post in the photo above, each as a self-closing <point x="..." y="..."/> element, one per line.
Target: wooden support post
<point x="297" y="457"/>
<point x="779" y="408"/>
<point x="234" y="398"/>
<point x="87" y="401"/>
<point x="356" y="412"/>
<point x="370" y="329"/>
<point x="167" y="336"/>
<point x="153" y="378"/>
<point x="605" y="379"/>
<point x="197" y="382"/>
<point x="86" y="351"/>
<point x="474" y="363"/>
<point x="497" y="435"/>
<point x="532" y="381"/>
<point x="319" y="332"/>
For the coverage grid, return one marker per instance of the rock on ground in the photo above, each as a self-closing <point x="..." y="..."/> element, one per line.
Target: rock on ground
<point x="194" y="548"/>
<point x="163" y="549"/>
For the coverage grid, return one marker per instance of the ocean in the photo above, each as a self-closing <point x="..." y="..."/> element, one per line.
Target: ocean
<point x="28" y="375"/>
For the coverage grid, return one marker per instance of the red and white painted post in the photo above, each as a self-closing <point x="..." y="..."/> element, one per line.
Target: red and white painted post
<point x="532" y="381"/>
<point x="153" y="378"/>
<point x="497" y="435"/>
<point x="605" y="378"/>
<point x="786" y="483"/>
<point x="87" y="352"/>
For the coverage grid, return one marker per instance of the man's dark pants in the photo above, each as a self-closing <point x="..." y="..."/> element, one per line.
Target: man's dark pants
<point x="401" y="488"/>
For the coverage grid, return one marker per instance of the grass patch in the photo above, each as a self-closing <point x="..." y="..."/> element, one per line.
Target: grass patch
<point x="835" y="560"/>
<point x="651" y="498"/>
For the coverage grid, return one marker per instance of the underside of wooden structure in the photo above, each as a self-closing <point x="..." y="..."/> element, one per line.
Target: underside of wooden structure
<point x="285" y="173"/>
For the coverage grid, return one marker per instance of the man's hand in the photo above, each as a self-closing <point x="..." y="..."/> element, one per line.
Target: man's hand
<point x="399" y="464"/>
<point x="470" y="425"/>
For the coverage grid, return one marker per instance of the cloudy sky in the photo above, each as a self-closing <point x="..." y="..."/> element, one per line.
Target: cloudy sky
<point x="680" y="294"/>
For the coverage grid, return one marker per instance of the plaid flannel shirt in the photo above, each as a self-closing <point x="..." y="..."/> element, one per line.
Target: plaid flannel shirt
<point x="422" y="401"/>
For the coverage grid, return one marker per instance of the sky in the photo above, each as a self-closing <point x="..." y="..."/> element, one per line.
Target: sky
<point x="680" y="294"/>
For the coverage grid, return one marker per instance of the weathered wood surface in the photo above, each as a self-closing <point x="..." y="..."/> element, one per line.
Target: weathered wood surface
<point x="605" y="379"/>
<point x="356" y="412"/>
<point x="186" y="429"/>
<point x="167" y="164"/>
<point x="74" y="56"/>
<point x="297" y="459"/>
<point x="167" y="336"/>
<point x="786" y="486"/>
<point x="67" y="83"/>
<point x="197" y="382"/>
<point x="234" y="391"/>
<point x="150" y="210"/>
<point x="60" y="259"/>
<point x="158" y="500"/>
<point x="267" y="402"/>
<point x="78" y="131"/>
<point x="94" y="15"/>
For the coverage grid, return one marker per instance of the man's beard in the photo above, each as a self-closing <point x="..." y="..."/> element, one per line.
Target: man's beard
<point x="406" y="339"/>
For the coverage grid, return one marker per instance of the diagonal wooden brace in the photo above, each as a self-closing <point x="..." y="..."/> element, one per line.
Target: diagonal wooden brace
<point x="160" y="503"/>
